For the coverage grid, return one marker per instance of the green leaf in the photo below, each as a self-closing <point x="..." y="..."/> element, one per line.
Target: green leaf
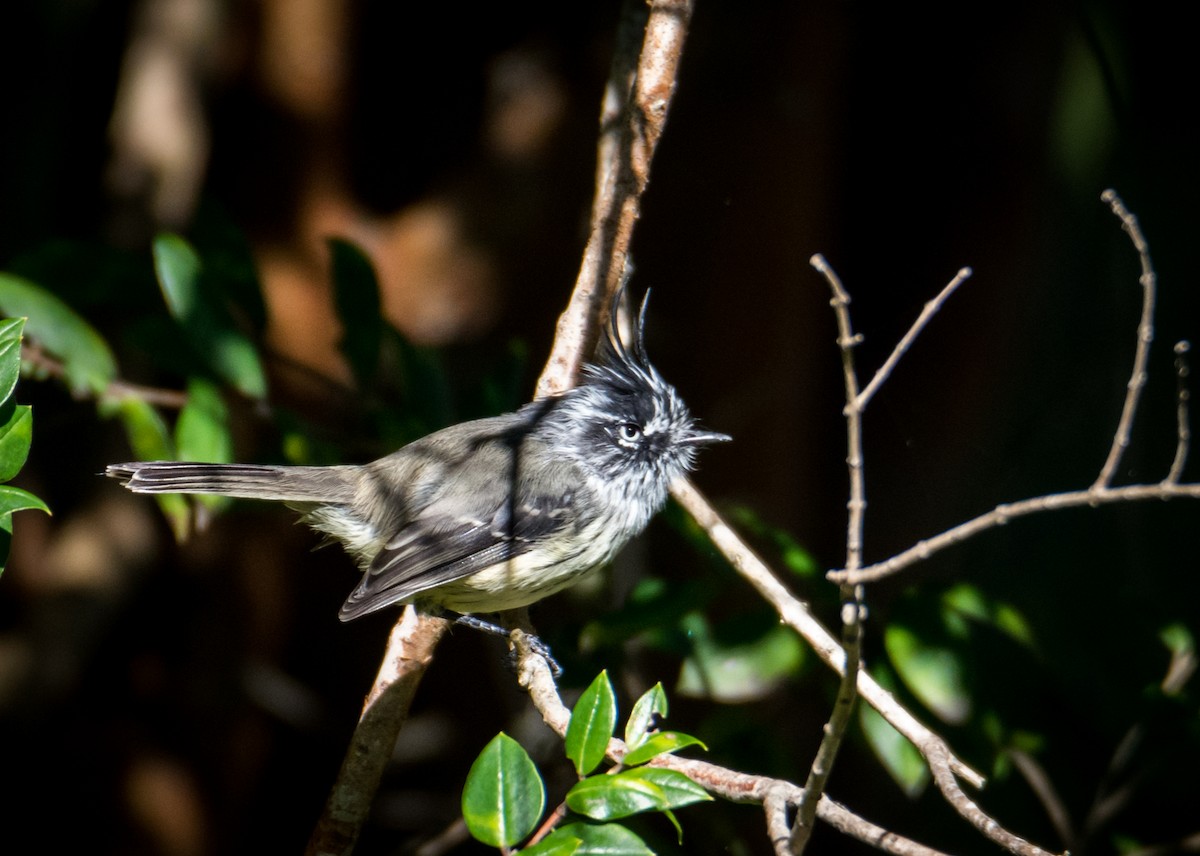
<point x="88" y="364"/>
<point x="10" y="355"/>
<point x="14" y="499"/>
<point x="554" y="844"/>
<point x="632" y="792"/>
<point x="678" y="788"/>
<point x="662" y="743"/>
<point x="651" y="705"/>
<point x="356" y="295"/>
<point x="603" y="839"/>
<point x="205" y="321"/>
<point x="202" y="430"/>
<point x="898" y="756"/>
<point x="504" y="794"/>
<point x="591" y="725"/>
<point x="934" y="673"/>
<point x="16" y="434"/>
<point x="150" y="441"/>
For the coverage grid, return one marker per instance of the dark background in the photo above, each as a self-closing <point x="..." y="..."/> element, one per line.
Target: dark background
<point x="195" y="699"/>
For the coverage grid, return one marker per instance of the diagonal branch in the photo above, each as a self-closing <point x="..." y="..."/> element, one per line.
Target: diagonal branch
<point x="795" y="613"/>
<point x="931" y="309"/>
<point x="409" y="652"/>
<point x="623" y="170"/>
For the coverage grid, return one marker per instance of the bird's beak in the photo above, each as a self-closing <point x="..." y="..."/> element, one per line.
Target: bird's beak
<point x="703" y="438"/>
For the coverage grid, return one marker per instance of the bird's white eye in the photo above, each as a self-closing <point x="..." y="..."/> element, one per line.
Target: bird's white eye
<point x="628" y="432"/>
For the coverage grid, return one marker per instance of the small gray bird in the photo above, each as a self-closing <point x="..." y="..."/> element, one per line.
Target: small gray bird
<point x="492" y="514"/>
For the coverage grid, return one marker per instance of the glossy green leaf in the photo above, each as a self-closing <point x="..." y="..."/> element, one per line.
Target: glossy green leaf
<point x="647" y="709"/>
<point x="591" y="725"/>
<point x="205" y="321"/>
<point x="14" y="499"/>
<point x="633" y="791"/>
<point x="16" y="435"/>
<point x="678" y="788"/>
<point x="356" y="295"/>
<point x="503" y="797"/>
<point x="603" y="839"/>
<point x="555" y="844"/>
<point x="662" y="743"/>
<point x="10" y="355"/>
<point x="88" y="364"/>
<point x="898" y="756"/>
<point x="934" y="673"/>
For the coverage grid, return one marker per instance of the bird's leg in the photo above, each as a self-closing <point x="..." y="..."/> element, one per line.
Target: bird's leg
<point x="535" y="644"/>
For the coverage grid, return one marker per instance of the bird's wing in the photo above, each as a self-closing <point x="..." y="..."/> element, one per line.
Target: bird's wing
<point x="446" y="542"/>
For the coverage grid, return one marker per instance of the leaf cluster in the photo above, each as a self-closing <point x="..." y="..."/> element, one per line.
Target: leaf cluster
<point x="505" y="795"/>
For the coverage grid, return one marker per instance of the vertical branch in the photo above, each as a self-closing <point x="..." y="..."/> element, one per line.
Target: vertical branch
<point x="1183" y="429"/>
<point x="1145" y="335"/>
<point x="622" y="173"/>
<point x="851" y="595"/>
<point x="409" y="652"/>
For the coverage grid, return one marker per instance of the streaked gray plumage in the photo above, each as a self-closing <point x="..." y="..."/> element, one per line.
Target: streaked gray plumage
<point x="492" y="514"/>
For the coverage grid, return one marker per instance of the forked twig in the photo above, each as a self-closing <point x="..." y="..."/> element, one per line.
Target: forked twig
<point x="1101" y="491"/>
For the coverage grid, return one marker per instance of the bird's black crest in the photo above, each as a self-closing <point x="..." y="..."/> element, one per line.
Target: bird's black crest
<point x="626" y="365"/>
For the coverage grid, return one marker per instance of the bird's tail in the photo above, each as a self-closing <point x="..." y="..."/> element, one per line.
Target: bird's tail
<point x="254" y="481"/>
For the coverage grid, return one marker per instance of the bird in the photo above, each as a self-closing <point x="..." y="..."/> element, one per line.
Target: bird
<point x="492" y="514"/>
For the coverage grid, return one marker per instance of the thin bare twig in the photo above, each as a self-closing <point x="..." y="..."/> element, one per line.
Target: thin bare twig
<point x="851" y="595"/>
<point x="42" y="363"/>
<point x="1043" y="788"/>
<point x="967" y="807"/>
<point x="1007" y="512"/>
<point x="1183" y="429"/>
<point x="931" y="309"/>
<point x="1145" y="335"/>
